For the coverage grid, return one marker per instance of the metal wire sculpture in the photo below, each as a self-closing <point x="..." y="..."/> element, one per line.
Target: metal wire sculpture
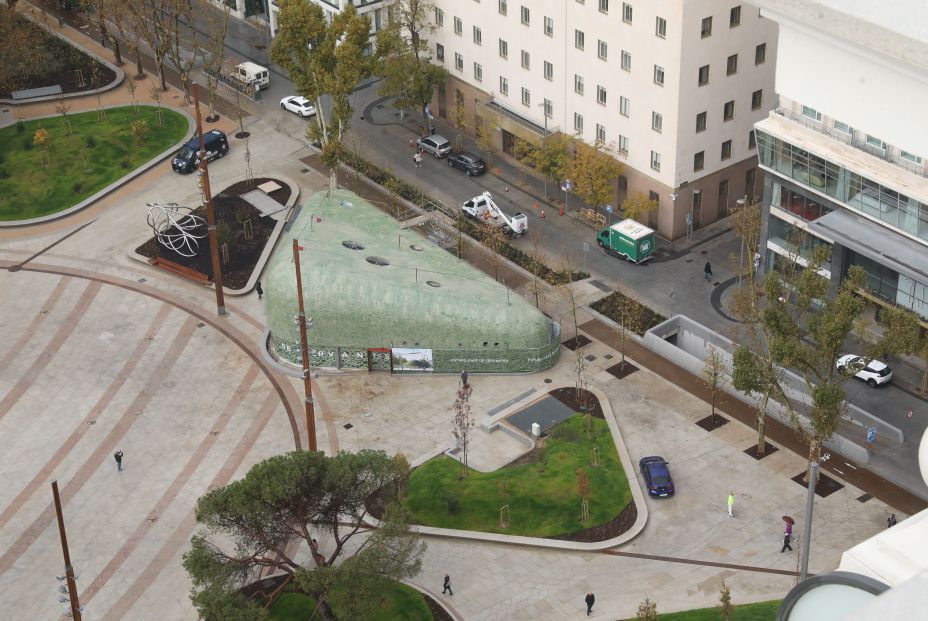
<point x="176" y="228"/>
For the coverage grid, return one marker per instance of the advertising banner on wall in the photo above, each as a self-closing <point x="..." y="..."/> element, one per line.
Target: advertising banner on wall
<point x="411" y="360"/>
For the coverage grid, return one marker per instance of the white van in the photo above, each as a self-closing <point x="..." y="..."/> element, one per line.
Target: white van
<point x="252" y="73"/>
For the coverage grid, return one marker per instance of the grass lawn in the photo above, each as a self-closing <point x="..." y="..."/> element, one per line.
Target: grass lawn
<point x="96" y="154"/>
<point x="403" y="603"/>
<point x="762" y="611"/>
<point x="542" y="503"/>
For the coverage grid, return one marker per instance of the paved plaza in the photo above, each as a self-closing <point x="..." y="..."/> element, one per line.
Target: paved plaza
<point x="99" y="353"/>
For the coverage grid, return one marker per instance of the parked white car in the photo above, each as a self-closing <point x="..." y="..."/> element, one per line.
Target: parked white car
<point x="298" y="105"/>
<point x="873" y="372"/>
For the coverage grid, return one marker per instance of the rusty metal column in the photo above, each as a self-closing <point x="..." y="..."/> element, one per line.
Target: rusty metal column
<point x="68" y="569"/>
<point x="304" y="349"/>
<point x="210" y="215"/>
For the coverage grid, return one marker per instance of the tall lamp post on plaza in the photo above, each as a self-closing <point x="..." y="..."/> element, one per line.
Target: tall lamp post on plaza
<point x="210" y="214"/>
<point x="72" y="598"/>
<point x="304" y="350"/>
<point x="741" y="202"/>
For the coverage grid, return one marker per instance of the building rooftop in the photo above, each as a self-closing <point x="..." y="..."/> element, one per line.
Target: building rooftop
<point x="898" y="29"/>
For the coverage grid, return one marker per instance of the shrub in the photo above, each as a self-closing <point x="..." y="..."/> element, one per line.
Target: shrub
<point x="27" y="144"/>
<point x="452" y="503"/>
<point x="4" y="173"/>
<point x="78" y="186"/>
<point x="20" y="126"/>
<point x="125" y="164"/>
<point x="91" y="141"/>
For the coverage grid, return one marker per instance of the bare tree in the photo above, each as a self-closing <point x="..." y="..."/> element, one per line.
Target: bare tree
<point x="536" y="240"/>
<point x="155" y="94"/>
<point x="713" y="374"/>
<point x="153" y="22"/>
<point x="104" y="13"/>
<point x="183" y="47"/>
<point x="726" y="610"/>
<point x="62" y="108"/>
<point x="462" y="423"/>
<point x="217" y="27"/>
<point x="647" y="611"/>
<point x="583" y="488"/>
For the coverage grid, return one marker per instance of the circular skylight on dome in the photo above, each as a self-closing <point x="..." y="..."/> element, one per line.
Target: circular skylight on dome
<point x="353" y="245"/>
<point x="416" y="247"/>
<point x="433" y="283"/>
<point x="377" y="261"/>
<point x="347" y="204"/>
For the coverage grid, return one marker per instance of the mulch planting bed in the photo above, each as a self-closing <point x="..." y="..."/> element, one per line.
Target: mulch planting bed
<point x="50" y="61"/>
<point x="231" y="213"/>
<point x="438" y="612"/>
<point x="769" y="449"/>
<point x="578" y="341"/>
<point x="587" y="401"/>
<point x="825" y="486"/>
<point x="621" y="369"/>
<point x="603" y="532"/>
<point x="712" y="422"/>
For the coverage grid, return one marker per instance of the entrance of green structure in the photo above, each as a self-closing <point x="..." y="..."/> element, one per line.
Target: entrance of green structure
<point x="379" y="359"/>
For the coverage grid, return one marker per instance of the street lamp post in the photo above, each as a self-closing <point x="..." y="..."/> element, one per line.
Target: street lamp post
<point x="807" y="529"/>
<point x="210" y="214"/>
<point x="304" y="350"/>
<point x="68" y="568"/>
<point x="741" y="202"/>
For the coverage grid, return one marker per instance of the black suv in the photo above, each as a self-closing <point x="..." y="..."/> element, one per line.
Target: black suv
<point x="470" y="163"/>
<point x="186" y="160"/>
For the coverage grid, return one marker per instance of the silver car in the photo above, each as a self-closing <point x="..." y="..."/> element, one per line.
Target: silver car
<point x="435" y="144"/>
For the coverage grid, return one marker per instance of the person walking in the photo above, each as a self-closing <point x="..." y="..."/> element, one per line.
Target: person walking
<point x="891" y="520"/>
<point x="589" y="599"/>
<point x="731" y="503"/>
<point x="464" y="378"/>
<point x="447" y="585"/>
<point x="708" y="271"/>
<point x="787" y="538"/>
<point x="118" y="457"/>
<point x="259" y="290"/>
<point x="417" y="158"/>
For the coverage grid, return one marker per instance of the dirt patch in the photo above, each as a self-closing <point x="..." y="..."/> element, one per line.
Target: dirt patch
<point x="620" y="524"/>
<point x="39" y="58"/>
<point x="579" y="401"/>
<point x="769" y="449"/>
<point x="824" y="487"/>
<point x="712" y="422"/>
<point x="577" y="342"/>
<point x="635" y="316"/>
<point x="622" y="369"/>
<point x="438" y="612"/>
<point x="232" y="214"/>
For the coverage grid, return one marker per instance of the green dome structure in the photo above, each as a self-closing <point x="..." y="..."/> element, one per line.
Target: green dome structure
<point x="382" y="297"/>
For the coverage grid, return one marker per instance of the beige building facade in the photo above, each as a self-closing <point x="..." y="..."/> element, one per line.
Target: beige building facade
<point x="672" y="87"/>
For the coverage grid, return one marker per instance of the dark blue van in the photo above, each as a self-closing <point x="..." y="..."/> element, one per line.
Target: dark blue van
<point x="186" y="160"/>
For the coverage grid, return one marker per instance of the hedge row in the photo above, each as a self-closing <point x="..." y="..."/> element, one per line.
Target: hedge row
<point x="637" y="317"/>
<point x="481" y="234"/>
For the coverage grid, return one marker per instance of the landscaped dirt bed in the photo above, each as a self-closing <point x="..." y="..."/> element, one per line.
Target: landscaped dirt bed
<point x="38" y="58"/>
<point x="232" y="212"/>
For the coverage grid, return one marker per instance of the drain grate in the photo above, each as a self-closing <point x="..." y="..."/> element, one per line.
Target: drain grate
<point x="864" y="498"/>
<point x="601" y="286"/>
<point x="347" y="426"/>
<point x="591" y="358"/>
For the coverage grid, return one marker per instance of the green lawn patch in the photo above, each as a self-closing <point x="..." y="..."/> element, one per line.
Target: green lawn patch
<point x="540" y="489"/>
<point x="762" y="611"/>
<point x="94" y="155"/>
<point x="402" y="603"/>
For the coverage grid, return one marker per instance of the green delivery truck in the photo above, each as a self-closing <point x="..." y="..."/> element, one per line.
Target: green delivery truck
<point x="629" y="238"/>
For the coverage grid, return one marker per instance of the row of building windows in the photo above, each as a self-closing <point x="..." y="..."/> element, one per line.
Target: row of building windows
<point x="847" y="187"/>
<point x="699" y="159"/>
<point x="734" y="20"/>
<point x="760" y="57"/>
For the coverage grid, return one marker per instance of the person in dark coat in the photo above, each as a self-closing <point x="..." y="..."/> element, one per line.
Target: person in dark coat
<point x="589" y="599"/>
<point x="891" y="520"/>
<point x="259" y="290"/>
<point x="447" y="585"/>
<point x="708" y="270"/>
<point x="118" y="457"/>
<point x="787" y="537"/>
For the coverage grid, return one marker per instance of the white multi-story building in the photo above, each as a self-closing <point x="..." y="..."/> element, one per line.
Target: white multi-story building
<point x="375" y="9"/>
<point x="674" y="86"/>
<point x="845" y="152"/>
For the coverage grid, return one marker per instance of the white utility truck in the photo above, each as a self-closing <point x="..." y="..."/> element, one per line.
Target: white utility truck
<point x="252" y="74"/>
<point x="483" y="208"/>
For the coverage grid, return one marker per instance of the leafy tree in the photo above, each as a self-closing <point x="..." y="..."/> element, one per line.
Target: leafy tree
<point x="403" y="61"/>
<point x="459" y="118"/>
<point x="713" y="374"/>
<point x="753" y="367"/>
<point x="903" y="334"/>
<point x="522" y="151"/>
<point x="637" y="206"/>
<point x="808" y="335"/>
<point x="41" y="138"/>
<point x="593" y="171"/>
<point x="250" y="523"/>
<point x="647" y="611"/>
<point x="462" y="422"/>
<point x="550" y="159"/>
<point x="726" y="610"/>
<point x="324" y="59"/>
<point x="485" y="137"/>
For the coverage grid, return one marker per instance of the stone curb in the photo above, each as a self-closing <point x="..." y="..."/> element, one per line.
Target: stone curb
<point x="120" y="74"/>
<point x="454" y="614"/>
<point x="558" y="544"/>
<point x="191" y="126"/>
<point x="265" y="254"/>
